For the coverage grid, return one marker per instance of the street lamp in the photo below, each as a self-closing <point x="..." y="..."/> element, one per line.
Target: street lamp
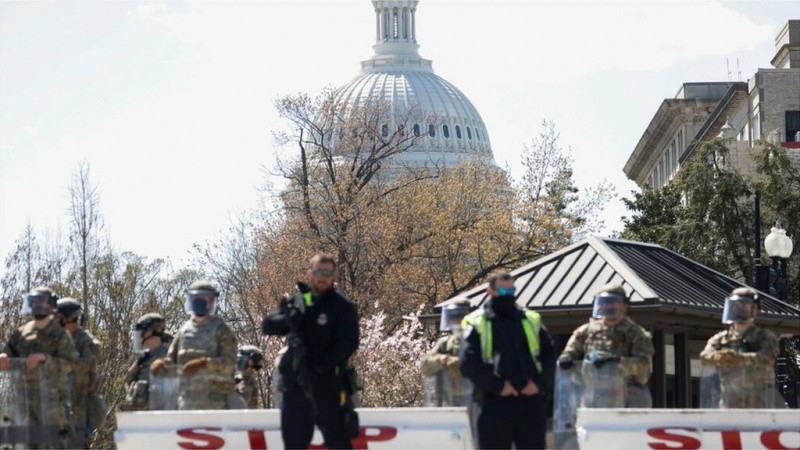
<point x="779" y="247"/>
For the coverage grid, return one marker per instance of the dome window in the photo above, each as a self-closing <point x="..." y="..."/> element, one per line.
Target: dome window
<point x="477" y="134"/>
<point x="458" y="132"/>
<point x="385" y="130"/>
<point x="446" y="131"/>
<point x="416" y="129"/>
<point x="431" y="131"/>
<point x="469" y="133"/>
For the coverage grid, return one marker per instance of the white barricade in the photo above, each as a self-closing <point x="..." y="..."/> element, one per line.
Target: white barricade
<point x="418" y="428"/>
<point x="676" y="429"/>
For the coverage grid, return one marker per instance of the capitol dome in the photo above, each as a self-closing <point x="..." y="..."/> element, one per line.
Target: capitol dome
<point x="398" y="75"/>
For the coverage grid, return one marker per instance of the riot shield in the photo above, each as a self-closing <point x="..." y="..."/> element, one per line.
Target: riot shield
<point x="749" y="387"/>
<point x="567" y="398"/>
<point x="603" y="386"/>
<point x="164" y="389"/>
<point x="432" y="390"/>
<point x="32" y="415"/>
<point x="456" y="390"/>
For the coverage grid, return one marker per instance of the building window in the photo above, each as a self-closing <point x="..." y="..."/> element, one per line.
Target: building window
<point x="477" y="135"/>
<point x="469" y="133"/>
<point x="385" y="130"/>
<point x="792" y="126"/>
<point x="431" y="131"/>
<point x="445" y="131"/>
<point x="416" y="129"/>
<point x="757" y="126"/>
<point x="458" y="132"/>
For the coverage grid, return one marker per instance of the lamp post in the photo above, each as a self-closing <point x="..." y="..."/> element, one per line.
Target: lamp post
<point x="779" y="247"/>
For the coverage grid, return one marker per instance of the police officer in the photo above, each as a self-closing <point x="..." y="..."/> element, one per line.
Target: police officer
<point x="746" y="346"/>
<point x="84" y="375"/>
<point x="611" y="337"/>
<point x="322" y="324"/>
<point x="205" y="348"/>
<point x="148" y="339"/>
<point x="443" y="357"/>
<point x="43" y="342"/>
<point x="249" y="360"/>
<point x="510" y="358"/>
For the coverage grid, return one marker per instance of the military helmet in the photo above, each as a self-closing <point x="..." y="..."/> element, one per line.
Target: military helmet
<point x="201" y="298"/>
<point x="153" y="322"/>
<point x="607" y="304"/>
<point x="69" y="309"/>
<point x="738" y="305"/>
<point x="249" y="355"/>
<point x="203" y="285"/>
<point x="453" y="313"/>
<point x="39" y="302"/>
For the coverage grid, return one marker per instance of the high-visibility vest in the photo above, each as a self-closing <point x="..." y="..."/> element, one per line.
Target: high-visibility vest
<point x="531" y="324"/>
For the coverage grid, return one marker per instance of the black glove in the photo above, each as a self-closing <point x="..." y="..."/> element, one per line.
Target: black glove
<point x="600" y="362"/>
<point x="566" y="364"/>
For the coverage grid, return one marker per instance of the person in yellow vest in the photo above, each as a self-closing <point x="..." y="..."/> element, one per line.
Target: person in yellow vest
<point x="509" y="356"/>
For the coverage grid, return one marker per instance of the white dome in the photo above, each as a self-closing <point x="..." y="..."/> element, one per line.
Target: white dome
<point x="396" y="74"/>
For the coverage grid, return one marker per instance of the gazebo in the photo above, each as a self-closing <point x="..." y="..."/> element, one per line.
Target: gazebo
<point x="677" y="300"/>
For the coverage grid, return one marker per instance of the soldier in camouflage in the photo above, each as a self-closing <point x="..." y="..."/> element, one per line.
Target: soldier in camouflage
<point x="611" y="337"/>
<point x="249" y="360"/>
<point x="150" y="342"/>
<point x="84" y="375"/>
<point x="44" y="344"/>
<point x="744" y="353"/>
<point x="444" y="354"/>
<point x="205" y="347"/>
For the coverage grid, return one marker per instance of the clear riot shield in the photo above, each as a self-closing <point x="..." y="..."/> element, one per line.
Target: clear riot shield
<point x="432" y="388"/>
<point x="164" y="389"/>
<point x="749" y="387"/>
<point x="32" y="416"/>
<point x="456" y="390"/>
<point x="584" y="386"/>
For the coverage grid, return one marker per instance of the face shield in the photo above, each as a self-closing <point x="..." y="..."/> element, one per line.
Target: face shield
<point x="452" y="315"/>
<point x="136" y="340"/>
<point x="200" y="303"/>
<point x="738" y="309"/>
<point x="36" y="304"/>
<point x="608" y="305"/>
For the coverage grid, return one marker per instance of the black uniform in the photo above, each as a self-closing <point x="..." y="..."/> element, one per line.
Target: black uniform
<point x="505" y="420"/>
<point x="328" y="329"/>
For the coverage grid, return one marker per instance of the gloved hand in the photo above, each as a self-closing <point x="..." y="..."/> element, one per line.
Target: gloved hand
<point x="193" y="366"/>
<point x="451" y="362"/>
<point x="157" y="366"/>
<point x="601" y="361"/>
<point x="566" y="363"/>
<point x="726" y="358"/>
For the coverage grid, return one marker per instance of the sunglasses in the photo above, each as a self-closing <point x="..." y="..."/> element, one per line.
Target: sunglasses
<point x="507" y="291"/>
<point x="323" y="273"/>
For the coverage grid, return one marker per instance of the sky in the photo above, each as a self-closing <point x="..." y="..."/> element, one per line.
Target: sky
<point x="172" y="103"/>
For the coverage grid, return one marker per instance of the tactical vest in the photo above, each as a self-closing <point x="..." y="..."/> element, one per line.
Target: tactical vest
<point x="198" y="340"/>
<point x="531" y="324"/>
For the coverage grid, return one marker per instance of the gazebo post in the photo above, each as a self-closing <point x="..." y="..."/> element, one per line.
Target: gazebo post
<point x="683" y="379"/>
<point x="659" y="370"/>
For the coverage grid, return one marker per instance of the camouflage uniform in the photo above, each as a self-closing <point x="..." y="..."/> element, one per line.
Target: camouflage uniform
<point x="751" y="373"/>
<point x="437" y="358"/>
<point x="214" y="340"/>
<point x="246" y="387"/>
<point x="138" y="377"/>
<point x="84" y="377"/>
<point x="627" y="340"/>
<point x="54" y="342"/>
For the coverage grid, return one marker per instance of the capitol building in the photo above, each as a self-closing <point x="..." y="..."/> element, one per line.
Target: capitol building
<point x="450" y="127"/>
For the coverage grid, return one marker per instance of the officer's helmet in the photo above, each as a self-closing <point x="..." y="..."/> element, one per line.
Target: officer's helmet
<point x="146" y="326"/>
<point x="739" y="306"/>
<point x="201" y="299"/>
<point x="39" y="302"/>
<point x="453" y="314"/>
<point x="69" y="309"/>
<point x="249" y="356"/>
<point x="610" y="302"/>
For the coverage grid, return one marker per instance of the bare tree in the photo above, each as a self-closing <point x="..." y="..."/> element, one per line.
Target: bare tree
<point x="86" y="222"/>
